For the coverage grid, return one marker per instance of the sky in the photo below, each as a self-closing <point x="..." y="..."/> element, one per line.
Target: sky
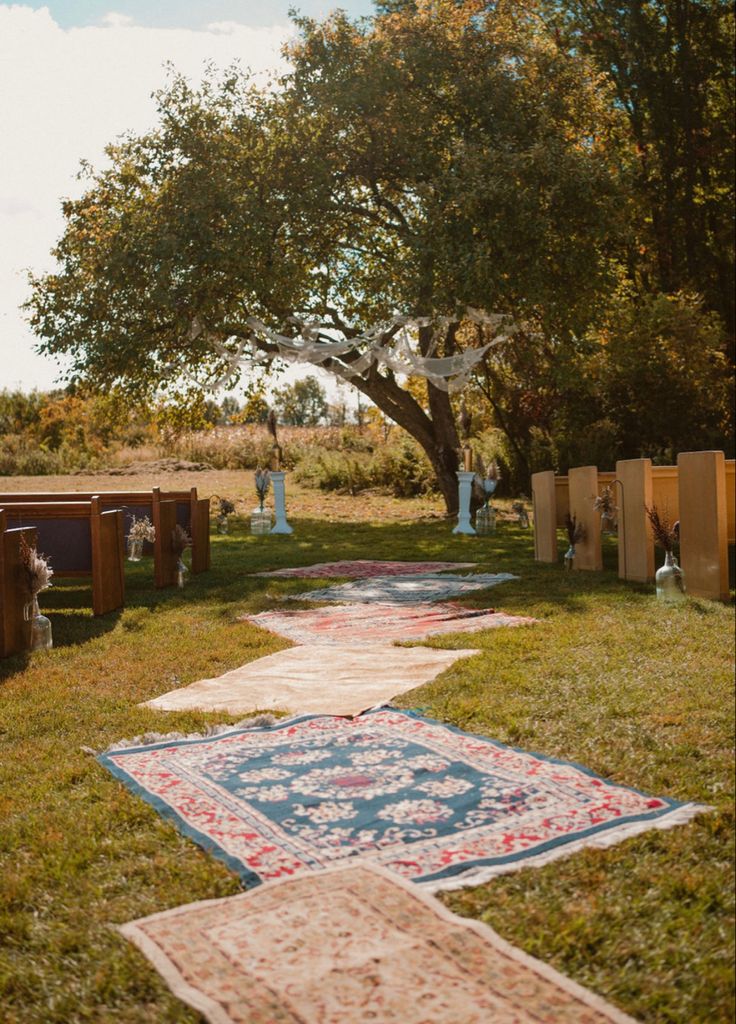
<point x="74" y="75"/>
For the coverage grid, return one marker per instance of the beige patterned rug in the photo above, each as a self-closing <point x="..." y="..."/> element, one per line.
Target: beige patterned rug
<point x="335" y="680"/>
<point x="353" y="945"/>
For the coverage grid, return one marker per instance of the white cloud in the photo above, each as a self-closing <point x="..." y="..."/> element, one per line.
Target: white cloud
<point x="65" y="95"/>
<point x="114" y="20"/>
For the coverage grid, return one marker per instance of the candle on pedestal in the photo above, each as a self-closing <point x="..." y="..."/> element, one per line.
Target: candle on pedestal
<point x="468" y="459"/>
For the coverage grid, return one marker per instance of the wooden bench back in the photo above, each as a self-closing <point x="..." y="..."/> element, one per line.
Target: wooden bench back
<point x="81" y="539"/>
<point x="15" y="627"/>
<point x="191" y="513"/>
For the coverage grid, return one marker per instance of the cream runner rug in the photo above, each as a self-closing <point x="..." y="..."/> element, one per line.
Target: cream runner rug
<point x="335" y="680"/>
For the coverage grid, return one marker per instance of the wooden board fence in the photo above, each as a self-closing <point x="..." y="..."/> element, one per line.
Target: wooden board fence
<point x="700" y="492"/>
<point x="703" y="523"/>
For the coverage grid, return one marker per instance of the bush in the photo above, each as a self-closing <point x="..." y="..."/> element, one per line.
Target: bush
<point x="399" y="466"/>
<point x="250" y="445"/>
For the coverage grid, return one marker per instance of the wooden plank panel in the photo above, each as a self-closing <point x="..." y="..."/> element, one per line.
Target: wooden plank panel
<point x="703" y="543"/>
<point x="562" y="500"/>
<point x="635" y="543"/>
<point x="108" y="498"/>
<point x="108" y="584"/>
<point x="200" y="534"/>
<point x="583" y="488"/>
<point x="731" y="500"/>
<point x="665" y="491"/>
<point x="15" y="630"/>
<point x="545" y="516"/>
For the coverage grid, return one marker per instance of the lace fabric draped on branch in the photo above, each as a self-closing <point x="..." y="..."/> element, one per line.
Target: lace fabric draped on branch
<point x="391" y="344"/>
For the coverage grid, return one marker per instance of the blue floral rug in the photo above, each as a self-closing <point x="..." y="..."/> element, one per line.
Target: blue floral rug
<point x="423" y="799"/>
<point x="403" y="589"/>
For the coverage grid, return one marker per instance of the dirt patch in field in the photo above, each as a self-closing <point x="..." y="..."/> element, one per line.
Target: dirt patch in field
<point x="155" y="467"/>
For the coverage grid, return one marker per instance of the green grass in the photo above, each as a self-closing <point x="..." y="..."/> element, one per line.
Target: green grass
<point x="636" y="691"/>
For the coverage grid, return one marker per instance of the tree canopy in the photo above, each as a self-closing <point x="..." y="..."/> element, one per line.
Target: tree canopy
<point x="438" y="156"/>
<point x="671" y="63"/>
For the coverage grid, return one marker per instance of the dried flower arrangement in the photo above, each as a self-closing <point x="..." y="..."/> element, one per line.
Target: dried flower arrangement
<point x="142" y="529"/>
<point x="486" y="478"/>
<point x="180" y="541"/>
<point x="605" y="503"/>
<point x="263" y="481"/>
<point x="666" y="534"/>
<point x="519" y="507"/>
<point x="575" y="530"/>
<point x="36" y="571"/>
<point x="278" y="453"/>
<point x="225" y="507"/>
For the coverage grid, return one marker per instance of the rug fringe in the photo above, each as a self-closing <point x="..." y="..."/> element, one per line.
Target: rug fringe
<point x="478" y="876"/>
<point x="254" y="722"/>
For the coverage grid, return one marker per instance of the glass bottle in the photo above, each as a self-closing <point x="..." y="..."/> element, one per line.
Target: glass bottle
<point x="670" y="580"/>
<point x="260" y="521"/>
<point x="135" y="549"/>
<point x="40" y="626"/>
<point x="485" y="520"/>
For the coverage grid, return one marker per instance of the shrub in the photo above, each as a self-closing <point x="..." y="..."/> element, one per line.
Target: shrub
<point x="399" y="467"/>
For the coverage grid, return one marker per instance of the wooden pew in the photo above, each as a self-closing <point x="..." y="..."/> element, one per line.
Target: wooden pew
<point x="15" y="628"/>
<point x="190" y="512"/>
<point x="81" y="538"/>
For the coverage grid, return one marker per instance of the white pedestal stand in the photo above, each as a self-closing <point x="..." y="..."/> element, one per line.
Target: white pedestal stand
<point x="279" y="501"/>
<point x="465" y="483"/>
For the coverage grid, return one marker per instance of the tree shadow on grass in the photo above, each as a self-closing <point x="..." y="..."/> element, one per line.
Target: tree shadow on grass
<point x="546" y="586"/>
<point x="68" y="604"/>
<point x="230" y="589"/>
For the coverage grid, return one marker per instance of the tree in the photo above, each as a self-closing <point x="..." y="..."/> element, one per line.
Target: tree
<point x="301" y="404"/>
<point x="436" y="157"/>
<point x="672" y="65"/>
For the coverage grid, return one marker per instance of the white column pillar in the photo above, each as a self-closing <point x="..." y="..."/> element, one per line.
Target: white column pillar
<point x="279" y="501"/>
<point x="465" y="483"/>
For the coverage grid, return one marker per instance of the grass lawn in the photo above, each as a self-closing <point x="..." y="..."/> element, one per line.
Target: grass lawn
<point x="636" y="691"/>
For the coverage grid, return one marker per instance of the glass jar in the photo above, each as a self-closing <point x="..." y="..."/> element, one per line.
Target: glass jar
<point x="670" y="580"/>
<point x="135" y="549"/>
<point x="260" y="521"/>
<point x="485" y="520"/>
<point x="609" y="526"/>
<point x="222" y="526"/>
<point x="569" y="557"/>
<point x="181" y="571"/>
<point x="40" y="626"/>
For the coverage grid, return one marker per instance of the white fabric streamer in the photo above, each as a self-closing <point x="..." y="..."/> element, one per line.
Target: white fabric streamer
<point x="381" y="344"/>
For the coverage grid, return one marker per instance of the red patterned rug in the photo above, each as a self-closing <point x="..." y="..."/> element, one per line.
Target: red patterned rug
<point x="374" y="623"/>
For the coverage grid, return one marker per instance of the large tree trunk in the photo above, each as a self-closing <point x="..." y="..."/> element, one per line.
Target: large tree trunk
<point x="436" y="435"/>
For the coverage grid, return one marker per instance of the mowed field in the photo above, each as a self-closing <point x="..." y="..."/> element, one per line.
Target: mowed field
<point x="237" y="485"/>
<point x="636" y="691"/>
